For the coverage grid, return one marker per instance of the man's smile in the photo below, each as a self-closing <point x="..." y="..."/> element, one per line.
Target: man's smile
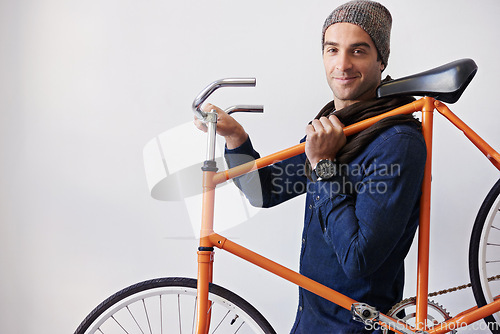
<point x="345" y="80"/>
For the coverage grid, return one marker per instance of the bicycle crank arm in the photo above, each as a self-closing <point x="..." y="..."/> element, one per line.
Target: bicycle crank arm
<point x="370" y="316"/>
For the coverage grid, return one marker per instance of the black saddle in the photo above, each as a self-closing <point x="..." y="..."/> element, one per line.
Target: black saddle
<point x="445" y="83"/>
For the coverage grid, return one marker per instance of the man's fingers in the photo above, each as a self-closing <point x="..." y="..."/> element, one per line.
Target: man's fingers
<point x="209" y="107"/>
<point x="200" y="125"/>
<point x="317" y="125"/>
<point x="322" y="125"/>
<point x="309" y="130"/>
<point x="314" y="128"/>
<point x="335" y="121"/>
<point x="328" y="125"/>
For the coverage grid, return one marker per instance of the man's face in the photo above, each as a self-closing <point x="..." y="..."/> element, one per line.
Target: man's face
<point x="352" y="69"/>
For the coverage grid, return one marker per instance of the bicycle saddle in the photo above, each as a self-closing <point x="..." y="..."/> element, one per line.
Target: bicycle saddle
<point x="445" y="83"/>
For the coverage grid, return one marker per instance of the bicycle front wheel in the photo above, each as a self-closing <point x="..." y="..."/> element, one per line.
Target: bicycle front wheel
<point x="484" y="255"/>
<point x="168" y="305"/>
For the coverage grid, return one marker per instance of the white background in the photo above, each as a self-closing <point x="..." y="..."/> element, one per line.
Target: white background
<point x="84" y="85"/>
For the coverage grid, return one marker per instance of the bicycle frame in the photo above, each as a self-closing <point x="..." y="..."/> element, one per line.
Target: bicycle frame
<point x="209" y="239"/>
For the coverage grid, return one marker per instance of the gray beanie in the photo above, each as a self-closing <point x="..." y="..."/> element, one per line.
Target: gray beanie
<point x="371" y="16"/>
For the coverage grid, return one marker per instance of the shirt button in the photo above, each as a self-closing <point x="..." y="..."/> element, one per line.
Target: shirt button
<point x="317" y="198"/>
<point x="310" y="206"/>
<point x="304" y="241"/>
<point x="300" y="308"/>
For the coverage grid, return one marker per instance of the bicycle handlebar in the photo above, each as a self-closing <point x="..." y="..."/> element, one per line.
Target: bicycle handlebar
<point x="244" y="108"/>
<point x="228" y="82"/>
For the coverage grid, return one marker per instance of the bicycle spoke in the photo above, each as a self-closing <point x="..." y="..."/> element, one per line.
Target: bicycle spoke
<point x="147" y="316"/>
<point x="112" y="317"/>
<point x="238" y="329"/>
<point x="194" y="314"/>
<point x="135" y="320"/>
<point x="161" y="315"/>
<point x="179" y="310"/>
<point x="220" y="322"/>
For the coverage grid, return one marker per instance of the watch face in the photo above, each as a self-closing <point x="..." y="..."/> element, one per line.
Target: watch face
<point x="326" y="169"/>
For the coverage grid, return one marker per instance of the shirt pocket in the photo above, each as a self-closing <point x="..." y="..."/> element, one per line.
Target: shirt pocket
<point x="329" y="212"/>
<point x="323" y="211"/>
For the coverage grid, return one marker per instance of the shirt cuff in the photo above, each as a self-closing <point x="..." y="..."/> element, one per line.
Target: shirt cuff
<point x="241" y="154"/>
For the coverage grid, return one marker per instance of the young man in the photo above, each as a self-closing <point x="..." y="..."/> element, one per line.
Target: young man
<point x="362" y="201"/>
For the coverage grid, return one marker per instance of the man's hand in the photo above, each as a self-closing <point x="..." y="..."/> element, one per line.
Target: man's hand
<point x="325" y="137"/>
<point x="227" y="127"/>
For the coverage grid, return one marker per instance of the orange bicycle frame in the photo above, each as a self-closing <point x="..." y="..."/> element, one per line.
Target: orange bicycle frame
<point x="210" y="239"/>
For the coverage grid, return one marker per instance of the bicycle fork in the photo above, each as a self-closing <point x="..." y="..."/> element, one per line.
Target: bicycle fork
<point x="205" y="263"/>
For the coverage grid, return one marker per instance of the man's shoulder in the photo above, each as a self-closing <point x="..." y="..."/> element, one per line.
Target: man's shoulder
<point x="405" y="137"/>
<point x="398" y="131"/>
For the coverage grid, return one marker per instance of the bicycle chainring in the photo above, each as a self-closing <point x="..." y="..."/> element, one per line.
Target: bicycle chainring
<point x="405" y="311"/>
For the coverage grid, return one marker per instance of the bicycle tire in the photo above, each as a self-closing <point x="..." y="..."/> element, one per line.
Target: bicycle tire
<point x="143" y="307"/>
<point x="484" y="255"/>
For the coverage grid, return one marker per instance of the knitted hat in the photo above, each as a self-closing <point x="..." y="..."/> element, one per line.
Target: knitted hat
<point x="371" y="16"/>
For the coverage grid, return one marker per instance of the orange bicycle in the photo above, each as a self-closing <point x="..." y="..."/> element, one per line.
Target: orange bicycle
<point x="178" y="305"/>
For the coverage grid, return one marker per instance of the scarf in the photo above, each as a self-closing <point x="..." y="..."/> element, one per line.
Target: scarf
<point x="358" y="112"/>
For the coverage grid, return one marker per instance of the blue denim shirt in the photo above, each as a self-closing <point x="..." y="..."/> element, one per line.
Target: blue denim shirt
<point x="358" y="227"/>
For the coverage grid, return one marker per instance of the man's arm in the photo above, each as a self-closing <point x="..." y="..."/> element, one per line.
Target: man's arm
<point x="271" y="185"/>
<point x="268" y="186"/>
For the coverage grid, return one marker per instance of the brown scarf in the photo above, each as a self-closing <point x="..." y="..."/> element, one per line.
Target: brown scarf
<point x="358" y="112"/>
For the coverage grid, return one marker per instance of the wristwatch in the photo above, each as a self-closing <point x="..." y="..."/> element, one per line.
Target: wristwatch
<point x="325" y="169"/>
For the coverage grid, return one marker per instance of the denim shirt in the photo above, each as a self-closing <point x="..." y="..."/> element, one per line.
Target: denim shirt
<point x="358" y="226"/>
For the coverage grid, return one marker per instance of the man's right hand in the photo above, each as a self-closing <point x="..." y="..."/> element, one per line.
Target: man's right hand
<point x="227" y="126"/>
<point x="325" y="137"/>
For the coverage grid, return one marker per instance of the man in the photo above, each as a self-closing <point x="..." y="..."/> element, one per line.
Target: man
<point x="362" y="202"/>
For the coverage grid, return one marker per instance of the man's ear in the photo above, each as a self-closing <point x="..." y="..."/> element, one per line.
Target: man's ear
<point x="382" y="67"/>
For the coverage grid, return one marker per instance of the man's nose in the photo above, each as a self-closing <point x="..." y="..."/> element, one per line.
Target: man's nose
<point x="343" y="62"/>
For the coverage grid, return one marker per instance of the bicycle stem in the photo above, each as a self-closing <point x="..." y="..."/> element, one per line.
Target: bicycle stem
<point x="210" y="118"/>
<point x="211" y="121"/>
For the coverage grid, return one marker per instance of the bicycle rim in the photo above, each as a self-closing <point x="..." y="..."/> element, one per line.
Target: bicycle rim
<point x="484" y="255"/>
<point x="168" y="305"/>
